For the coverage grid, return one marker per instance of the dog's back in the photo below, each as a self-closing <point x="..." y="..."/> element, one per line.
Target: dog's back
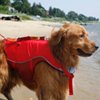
<point x="25" y="53"/>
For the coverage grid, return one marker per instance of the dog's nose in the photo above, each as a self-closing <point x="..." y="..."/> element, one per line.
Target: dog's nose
<point x="96" y="47"/>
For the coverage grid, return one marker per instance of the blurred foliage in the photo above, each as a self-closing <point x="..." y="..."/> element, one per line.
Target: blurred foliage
<point x="5" y="2"/>
<point x="4" y="9"/>
<point x="23" y="6"/>
<point x="38" y="9"/>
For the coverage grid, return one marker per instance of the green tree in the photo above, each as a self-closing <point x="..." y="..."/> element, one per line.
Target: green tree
<point x="25" y="6"/>
<point x="21" y="5"/>
<point x="82" y="17"/>
<point x="5" y="2"/>
<point x="72" y="16"/>
<point x="56" y="12"/>
<point x="17" y="4"/>
<point x="93" y="18"/>
<point x="38" y="9"/>
<point x="50" y="11"/>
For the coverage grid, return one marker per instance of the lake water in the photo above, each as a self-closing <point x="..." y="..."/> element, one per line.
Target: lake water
<point x="87" y="78"/>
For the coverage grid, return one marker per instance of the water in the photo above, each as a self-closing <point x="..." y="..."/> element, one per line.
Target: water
<point x="94" y="34"/>
<point x="87" y="78"/>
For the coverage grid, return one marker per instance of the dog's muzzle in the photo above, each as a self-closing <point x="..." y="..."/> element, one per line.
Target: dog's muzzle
<point x="96" y="47"/>
<point x="83" y="54"/>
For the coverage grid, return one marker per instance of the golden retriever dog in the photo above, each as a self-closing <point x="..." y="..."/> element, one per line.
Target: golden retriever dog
<point x="67" y="44"/>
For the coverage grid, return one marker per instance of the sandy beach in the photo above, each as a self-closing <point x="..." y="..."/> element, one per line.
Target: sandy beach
<point x="84" y="87"/>
<point x="25" y="28"/>
<point x="19" y="29"/>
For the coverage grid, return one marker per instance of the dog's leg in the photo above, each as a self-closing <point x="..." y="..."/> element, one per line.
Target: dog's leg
<point x="51" y="85"/>
<point x="45" y="94"/>
<point x="7" y="90"/>
<point x="7" y="95"/>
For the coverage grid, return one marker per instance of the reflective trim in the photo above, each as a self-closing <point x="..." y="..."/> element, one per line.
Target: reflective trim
<point x="45" y="60"/>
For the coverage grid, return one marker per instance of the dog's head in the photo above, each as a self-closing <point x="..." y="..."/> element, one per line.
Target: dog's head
<point x="74" y="38"/>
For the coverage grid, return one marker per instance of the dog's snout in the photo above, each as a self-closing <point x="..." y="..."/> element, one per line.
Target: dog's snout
<point x="96" y="47"/>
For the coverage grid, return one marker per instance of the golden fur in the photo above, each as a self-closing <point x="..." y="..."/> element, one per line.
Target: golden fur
<point x="67" y="44"/>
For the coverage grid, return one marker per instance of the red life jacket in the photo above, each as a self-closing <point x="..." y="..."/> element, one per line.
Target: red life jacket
<point x="24" y="54"/>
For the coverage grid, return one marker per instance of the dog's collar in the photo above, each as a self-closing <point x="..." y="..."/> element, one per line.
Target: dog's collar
<point x="71" y="70"/>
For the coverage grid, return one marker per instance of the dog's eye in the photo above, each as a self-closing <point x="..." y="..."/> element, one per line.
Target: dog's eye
<point x="82" y="35"/>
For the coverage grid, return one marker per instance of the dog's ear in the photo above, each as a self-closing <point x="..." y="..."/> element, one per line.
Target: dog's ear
<point x="56" y="36"/>
<point x="66" y="25"/>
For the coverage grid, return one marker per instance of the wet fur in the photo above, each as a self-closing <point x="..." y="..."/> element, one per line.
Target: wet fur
<point x="48" y="83"/>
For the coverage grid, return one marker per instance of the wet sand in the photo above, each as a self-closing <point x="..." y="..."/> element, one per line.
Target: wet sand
<point x="87" y="85"/>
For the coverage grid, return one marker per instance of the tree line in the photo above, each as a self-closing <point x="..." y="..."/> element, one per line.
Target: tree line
<point x="24" y="6"/>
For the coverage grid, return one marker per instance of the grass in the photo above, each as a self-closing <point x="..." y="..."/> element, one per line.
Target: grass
<point x="23" y="16"/>
<point x="4" y="9"/>
<point x="54" y="19"/>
